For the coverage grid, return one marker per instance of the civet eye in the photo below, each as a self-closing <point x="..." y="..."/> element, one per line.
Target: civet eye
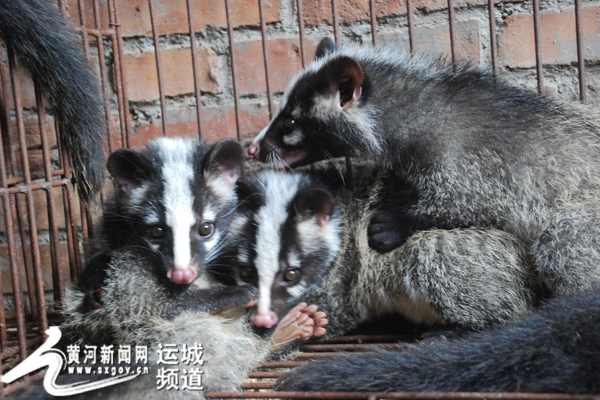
<point x="289" y="122"/>
<point x="291" y="275"/>
<point x="157" y="231"/>
<point x="206" y="229"/>
<point x="246" y="272"/>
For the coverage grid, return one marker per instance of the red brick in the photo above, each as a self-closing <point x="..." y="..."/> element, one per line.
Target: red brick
<point x="218" y="123"/>
<point x="558" y="40"/>
<point x="172" y="17"/>
<point x="142" y="76"/>
<point x="317" y="11"/>
<point x="437" y="40"/>
<point x="284" y="62"/>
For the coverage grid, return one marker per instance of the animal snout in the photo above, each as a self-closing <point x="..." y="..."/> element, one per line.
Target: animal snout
<point x="253" y="150"/>
<point x="263" y="320"/>
<point x="182" y="276"/>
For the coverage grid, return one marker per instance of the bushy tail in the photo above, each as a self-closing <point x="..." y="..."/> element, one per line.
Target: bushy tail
<point x="44" y="42"/>
<point x="557" y="349"/>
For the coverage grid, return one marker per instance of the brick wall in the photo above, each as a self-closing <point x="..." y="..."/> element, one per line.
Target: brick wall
<point x="516" y="56"/>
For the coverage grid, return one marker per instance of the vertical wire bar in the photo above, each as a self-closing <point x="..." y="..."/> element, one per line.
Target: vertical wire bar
<point x="336" y="22"/>
<point x="538" y="46"/>
<point x="236" y="97"/>
<point x="161" y="86"/>
<point x="493" y="40"/>
<point x="103" y="76"/>
<point x="195" y="68"/>
<point x="16" y="271"/>
<point x="70" y="216"/>
<point x="263" y="30"/>
<point x="121" y="82"/>
<point x="411" y="25"/>
<point x="57" y="277"/>
<point x="20" y="216"/>
<point x="452" y="25"/>
<point x="373" y="22"/>
<point x="84" y="33"/>
<point x="580" y="53"/>
<point x="33" y="234"/>
<point x="301" y="32"/>
<point x="6" y="206"/>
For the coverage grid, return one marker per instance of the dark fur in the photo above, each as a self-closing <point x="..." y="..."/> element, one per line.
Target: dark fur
<point x="45" y="43"/>
<point x="478" y="152"/>
<point x="555" y="350"/>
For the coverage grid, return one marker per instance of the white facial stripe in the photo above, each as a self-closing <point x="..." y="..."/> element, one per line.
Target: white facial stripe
<point x="178" y="176"/>
<point x="243" y="256"/>
<point x="151" y="218"/>
<point x="212" y="242"/>
<point x="209" y="214"/>
<point x="297" y="290"/>
<point x="293" y="138"/>
<point x="293" y="260"/>
<point x="137" y="196"/>
<point x="237" y="225"/>
<point x="278" y="194"/>
<point x="261" y="135"/>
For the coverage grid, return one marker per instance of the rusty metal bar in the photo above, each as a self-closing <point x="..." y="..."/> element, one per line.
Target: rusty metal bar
<point x="580" y="53"/>
<point x="103" y="77"/>
<point x="83" y="27"/>
<point x="33" y="186"/>
<point x="195" y="67"/>
<point x="262" y="375"/>
<point x="263" y="31"/>
<point x="33" y="234"/>
<point x="18" y="180"/>
<point x="411" y="25"/>
<point x="257" y="385"/>
<point x="57" y="277"/>
<point x="161" y="84"/>
<point x="6" y="207"/>
<point x="70" y="217"/>
<point x="373" y="21"/>
<point x="301" y="32"/>
<point x="282" y="364"/>
<point x="336" y="22"/>
<point x="493" y="40"/>
<point x="538" y="46"/>
<point x="236" y="97"/>
<point x="121" y="82"/>
<point x="452" y="25"/>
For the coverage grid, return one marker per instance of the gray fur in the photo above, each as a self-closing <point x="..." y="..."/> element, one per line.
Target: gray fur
<point x="474" y="278"/>
<point x="479" y="152"/>
<point x="131" y="314"/>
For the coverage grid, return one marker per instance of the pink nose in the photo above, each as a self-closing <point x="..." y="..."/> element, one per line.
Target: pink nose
<point x="253" y="150"/>
<point x="182" y="276"/>
<point x="268" y="320"/>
